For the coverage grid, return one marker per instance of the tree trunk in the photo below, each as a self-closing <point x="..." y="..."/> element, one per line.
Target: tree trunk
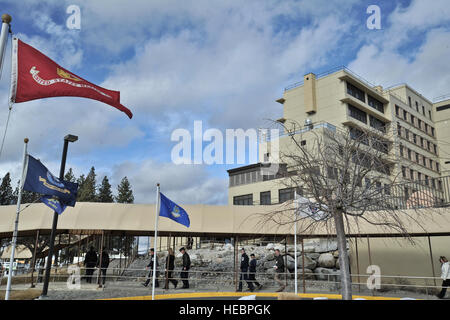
<point x="346" y="281"/>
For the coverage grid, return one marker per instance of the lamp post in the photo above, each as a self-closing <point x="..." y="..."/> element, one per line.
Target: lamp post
<point x="67" y="139"/>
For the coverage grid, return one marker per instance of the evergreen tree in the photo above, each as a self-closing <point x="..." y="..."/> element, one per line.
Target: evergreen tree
<point x="27" y="196"/>
<point x="104" y="191"/>
<point x="69" y="176"/>
<point x="6" y="191"/>
<point x="124" y="192"/>
<point x="87" y="187"/>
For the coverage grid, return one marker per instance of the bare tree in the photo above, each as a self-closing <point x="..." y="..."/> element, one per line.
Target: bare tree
<point x="340" y="175"/>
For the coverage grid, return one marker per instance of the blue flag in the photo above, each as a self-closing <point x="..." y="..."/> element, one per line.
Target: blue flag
<point x="171" y="210"/>
<point x="54" y="204"/>
<point x="57" y="193"/>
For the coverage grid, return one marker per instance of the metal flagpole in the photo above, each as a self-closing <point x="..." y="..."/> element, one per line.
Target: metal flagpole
<point x="6" y="20"/>
<point x="16" y="224"/>
<point x="295" y="238"/>
<point x="155" y="256"/>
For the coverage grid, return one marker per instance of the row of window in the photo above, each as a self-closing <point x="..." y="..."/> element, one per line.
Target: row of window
<point x="375" y="143"/>
<point x="419" y="159"/>
<point x="417" y="108"/>
<point x="421" y="178"/>
<point x="415" y="121"/>
<point x="417" y="140"/>
<point x="361" y="95"/>
<point x="360" y="115"/>
<point x="265" y="197"/>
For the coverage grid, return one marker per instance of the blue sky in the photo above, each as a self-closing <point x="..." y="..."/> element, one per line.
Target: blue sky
<point x="222" y="62"/>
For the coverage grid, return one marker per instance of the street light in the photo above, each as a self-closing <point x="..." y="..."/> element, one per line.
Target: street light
<point x="67" y="139"/>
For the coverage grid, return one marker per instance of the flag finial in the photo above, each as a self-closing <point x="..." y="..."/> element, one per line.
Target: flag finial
<point x="6" y="18"/>
<point x="26" y="140"/>
<point x="157" y="184"/>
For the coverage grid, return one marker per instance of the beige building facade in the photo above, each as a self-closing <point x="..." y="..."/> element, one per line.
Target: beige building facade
<point x="415" y="132"/>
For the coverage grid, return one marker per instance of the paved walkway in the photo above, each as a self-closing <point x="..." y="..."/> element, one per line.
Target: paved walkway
<point x="134" y="290"/>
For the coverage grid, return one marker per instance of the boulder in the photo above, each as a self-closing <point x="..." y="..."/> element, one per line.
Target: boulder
<point x="270" y="257"/>
<point x="326" y="260"/>
<point x="309" y="263"/>
<point x="326" y="274"/>
<point x="336" y="254"/>
<point x="309" y="248"/>
<point x="269" y="264"/>
<point x="313" y="256"/>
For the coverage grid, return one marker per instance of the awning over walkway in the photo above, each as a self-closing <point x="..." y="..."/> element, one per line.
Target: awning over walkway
<point x="206" y="220"/>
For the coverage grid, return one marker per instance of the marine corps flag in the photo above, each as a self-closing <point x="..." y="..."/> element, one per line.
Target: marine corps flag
<point x="35" y="76"/>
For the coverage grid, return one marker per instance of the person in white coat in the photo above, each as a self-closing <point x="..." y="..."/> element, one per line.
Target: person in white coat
<point x="445" y="276"/>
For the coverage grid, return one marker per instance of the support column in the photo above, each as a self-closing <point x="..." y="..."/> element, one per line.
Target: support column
<point x="34" y="259"/>
<point x="431" y="259"/>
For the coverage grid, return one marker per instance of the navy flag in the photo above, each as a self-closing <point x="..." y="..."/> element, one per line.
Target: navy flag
<point x="171" y="210"/>
<point x="57" y="193"/>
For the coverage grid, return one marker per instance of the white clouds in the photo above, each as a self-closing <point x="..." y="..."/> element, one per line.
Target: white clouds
<point x="414" y="49"/>
<point x="185" y="184"/>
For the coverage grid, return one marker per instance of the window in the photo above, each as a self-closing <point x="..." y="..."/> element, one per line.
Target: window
<point x="417" y="106"/>
<point x="423" y="110"/>
<point x="407" y="134"/>
<point x="285" y="194"/>
<point x="387" y="189"/>
<point x="399" y="129"/>
<point x="409" y="154"/>
<point x="429" y="145"/>
<point x="405" y="115"/>
<point x="367" y="183"/>
<point x="332" y="173"/>
<point x="435" y="148"/>
<point x="414" y="138"/>
<point x="442" y="108"/>
<point x="303" y="142"/>
<point x="421" y="142"/>
<point x="264" y="198"/>
<point x="432" y="131"/>
<point x="377" y="124"/>
<point x="401" y="150"/>
<point x="409" y="101"/>
<point x="426" y="127"/>
<point x="419" y="176"/>
<point x="411" y="174"/>
<point x="437" y="166"/>
<point x="357" y="134"/>
<point x="357" y="114"/>
<point x="354" y="91"/>
<point x="413" y="120"/>
<point x="403" y="172"/>
<point x="378" y="186"/>
<point x="380" y="146"/>
<point x="417" y="157"/>
<point x="245" y="200"/>
<point x="397" y="110"/>
<point x="374" y="103"/>
<point x="419" y="124"/>
<point x="429" y="114"/>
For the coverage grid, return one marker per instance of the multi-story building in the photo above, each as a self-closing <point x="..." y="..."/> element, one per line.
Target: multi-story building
<point x="415" y="131"/>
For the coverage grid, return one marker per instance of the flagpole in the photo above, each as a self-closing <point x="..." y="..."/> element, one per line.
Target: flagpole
<point x="6" y="20"/>
<point x="295" y="238"/>
<point x="16" y="224"/>
<point x="155" y="256"/>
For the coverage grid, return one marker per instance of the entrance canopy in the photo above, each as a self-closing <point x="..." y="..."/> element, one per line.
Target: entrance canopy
<point x="206" y="220"/>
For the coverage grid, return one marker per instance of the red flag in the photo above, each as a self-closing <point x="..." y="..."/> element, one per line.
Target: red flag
<point x="35" y="76"/>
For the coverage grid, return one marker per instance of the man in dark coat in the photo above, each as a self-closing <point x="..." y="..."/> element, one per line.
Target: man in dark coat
<point x="279" y="270"/>
<point x="252" y="271"/>
<point x="104" y="260"/>
<point x="244" y="272"/>
<point x="170" y="264"/>
<point x="90" y="262"/>
<point x="186" y="266"/>
<point x="153" y="259"/>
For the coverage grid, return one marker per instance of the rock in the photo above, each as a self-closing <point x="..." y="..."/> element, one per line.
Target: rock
<point x="270" y="257"/>
<point x="228" y="246"/>
<point x="309" y="248"/>
<point x="338" y="266"/>
<point x="269" y="264"/>
<point x="309" y="263"/>
<point x="326" y="274"/>
<point x="270" y="246"/>
<point x="326" y="260"/>
<point x="313" y="256"/>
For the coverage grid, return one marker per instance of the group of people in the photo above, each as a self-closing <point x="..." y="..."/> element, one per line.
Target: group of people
<point x="93" y="261"/>
<point x="169" y="267"/>
<point x="248" y="271"/>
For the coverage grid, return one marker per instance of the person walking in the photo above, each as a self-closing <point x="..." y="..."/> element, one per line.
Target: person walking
<point x="90" y="262"/>
<point x="279" y="270"/>
<point x="103" y="267"/>
<point x="445" y="276"/>
<point x="153" y="260"/>
<point x="244" y="272"/>
<point x="186" y="266"/>
<point x="252" y="271"/>
<point x="170" y="264"/>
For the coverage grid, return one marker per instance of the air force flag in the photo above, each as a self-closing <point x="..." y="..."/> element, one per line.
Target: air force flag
<point x="171" y="210"/>
<point x="57" y="194"/>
